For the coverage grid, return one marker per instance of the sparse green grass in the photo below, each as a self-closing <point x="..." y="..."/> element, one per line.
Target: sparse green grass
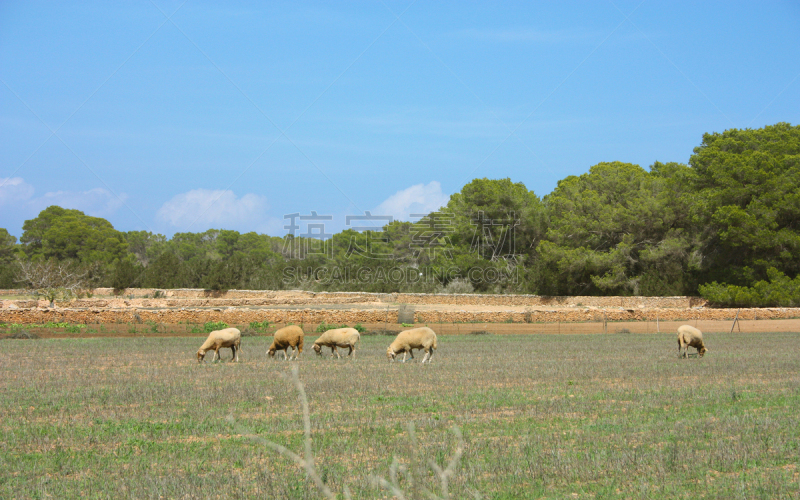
<point x="543" y="416"/>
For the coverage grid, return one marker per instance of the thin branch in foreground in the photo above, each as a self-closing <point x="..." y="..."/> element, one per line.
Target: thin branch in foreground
<point x="449" y="471"/>
<point x="444" y="474"/>
<point x="396" y="469"/>
<point x="308" y="462"/>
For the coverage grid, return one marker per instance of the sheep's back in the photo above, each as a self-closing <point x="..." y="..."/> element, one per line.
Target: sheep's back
<point x="339" y="336"/>
<point x="287" y="335"/>
<point x="691" y="335"/>
<point x="224" y="337"/>
<point x="417" y="337"/>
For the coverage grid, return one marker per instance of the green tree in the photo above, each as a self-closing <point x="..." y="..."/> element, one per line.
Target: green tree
<point x="65" y="234"/>
<point x="144" y="245"/>
<point x="496" y="217"/>
<point x="616" y="230"/>
<point x="496" y="226"/>
<point x="747" y="203"/>
<point x="8" y="266"/>
<point x="127" y="273"/>
<point x="167" y="271"/>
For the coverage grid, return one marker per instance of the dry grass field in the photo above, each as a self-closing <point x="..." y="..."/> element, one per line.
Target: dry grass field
<point x="542" y="416"/>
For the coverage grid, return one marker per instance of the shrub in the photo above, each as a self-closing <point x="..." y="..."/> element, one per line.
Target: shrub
<point x="459" y="285"/>
<point x="323" y="327"/>
<point x="779" y="291"/>
<point x="211" y="326"/>
<point x="22" y="334"/>
<point x="382" y="332"/>
<point x="259" y="325"/>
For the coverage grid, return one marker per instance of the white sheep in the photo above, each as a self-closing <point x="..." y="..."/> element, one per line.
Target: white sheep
<point x="690" y="336"/>
<point x="229" y="337"/>
<point x="286" y="337"/>
<point x="407" y="341"/>
<point x="338" y="337"/>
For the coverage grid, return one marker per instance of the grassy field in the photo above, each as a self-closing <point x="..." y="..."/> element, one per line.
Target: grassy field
<point x="542" y="416"/>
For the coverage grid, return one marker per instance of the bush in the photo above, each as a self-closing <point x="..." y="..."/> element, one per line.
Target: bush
<point x="459" y="285"/>
<point x="259" y="325"/>
<point x="382" y="332"/>
<point x="779" y="291"/>
<point x="22" y="334"/>
<point x="323" y="327"/>
<point x="214" y="325"/>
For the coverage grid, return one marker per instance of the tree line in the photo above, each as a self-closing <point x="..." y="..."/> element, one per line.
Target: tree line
<point x="726" y="226"/>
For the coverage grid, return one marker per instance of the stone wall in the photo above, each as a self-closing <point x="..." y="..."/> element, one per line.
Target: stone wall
<point x="205" y="298"/>
<point x="175" y="316"/>
<point x="352" y="316"/>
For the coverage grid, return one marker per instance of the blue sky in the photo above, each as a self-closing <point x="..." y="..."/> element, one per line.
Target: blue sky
<point x="185" y="116"/>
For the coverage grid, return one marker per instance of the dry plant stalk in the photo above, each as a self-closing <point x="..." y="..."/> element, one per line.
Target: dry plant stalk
<point x="307" y="462"/>
<point x="444" y="474"/>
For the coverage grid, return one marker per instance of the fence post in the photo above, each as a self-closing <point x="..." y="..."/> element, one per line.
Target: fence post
<point x="735" y="320"/>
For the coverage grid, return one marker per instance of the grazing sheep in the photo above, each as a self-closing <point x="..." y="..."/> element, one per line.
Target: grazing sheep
<point x="286" y="337"/>
<point x="338" y="337"/>
<point x="229" y="337"/>
<point x="690" y="336"/>
<point x="407" y="341"/>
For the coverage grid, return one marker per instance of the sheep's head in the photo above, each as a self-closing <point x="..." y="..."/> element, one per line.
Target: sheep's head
<point x="702" y="351"/>
<point x="201" y="354"/>
<point x="390" y="354"/>
<point x="318" y="349"/>
<point x="271" y="352"/>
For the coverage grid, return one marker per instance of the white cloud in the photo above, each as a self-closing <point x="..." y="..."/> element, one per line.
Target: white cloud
<point x="418" y="199"/>
<point x="97" y="202"/>
<point x="14" y="190"/>
<point x="201" y="209"/>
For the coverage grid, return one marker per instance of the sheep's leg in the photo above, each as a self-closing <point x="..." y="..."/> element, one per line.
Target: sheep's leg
<point x="234" y="354"/>
<point x="425" y="358"/>
<point x="352" y="352"/>
<point x="404" y="356"/>
<point x="216" y="354"/>
<point x="334" y="351"/>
